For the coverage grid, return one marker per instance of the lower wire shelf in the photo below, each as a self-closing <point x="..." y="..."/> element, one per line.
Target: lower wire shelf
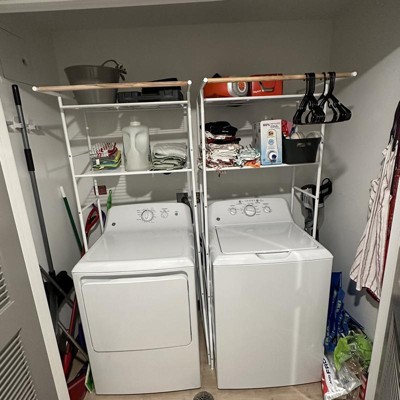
<point x="121" y="172"/>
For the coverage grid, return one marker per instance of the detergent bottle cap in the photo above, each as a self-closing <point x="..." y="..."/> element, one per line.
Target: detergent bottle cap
<point x="134" y="122"/>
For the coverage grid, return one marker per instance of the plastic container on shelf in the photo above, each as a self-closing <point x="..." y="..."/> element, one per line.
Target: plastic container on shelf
<point x="93" y="74"/>
<point x="136" y="143"/>
<point x="298" y="151"/>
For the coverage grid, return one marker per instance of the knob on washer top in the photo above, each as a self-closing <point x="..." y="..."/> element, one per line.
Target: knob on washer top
<point x="147" y="215"/>
<point x="250" y="210"/>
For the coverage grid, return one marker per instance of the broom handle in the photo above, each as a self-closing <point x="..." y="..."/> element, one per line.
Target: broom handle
<point x="31" y="169"/>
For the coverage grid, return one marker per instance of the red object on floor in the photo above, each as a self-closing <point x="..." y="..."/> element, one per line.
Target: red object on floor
<point x="68" y="356"/>
<point x="76" y="388"/>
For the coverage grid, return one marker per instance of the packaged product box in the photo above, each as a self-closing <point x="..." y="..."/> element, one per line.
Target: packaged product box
<point x="267" y="138"/>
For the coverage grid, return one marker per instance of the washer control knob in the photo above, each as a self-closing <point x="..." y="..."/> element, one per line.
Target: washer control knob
<point x="147" y="216"/>
<point x="267" y="209"/>
<point x="250" y="210"/>
<point x="232" y="210"/>
<point x="164" y="214"/>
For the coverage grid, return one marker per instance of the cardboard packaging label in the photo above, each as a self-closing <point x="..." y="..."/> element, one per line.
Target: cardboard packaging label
<point x="267" y="138"/>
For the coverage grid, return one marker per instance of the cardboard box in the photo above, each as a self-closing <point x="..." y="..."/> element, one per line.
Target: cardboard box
<point x="267" y="138"/>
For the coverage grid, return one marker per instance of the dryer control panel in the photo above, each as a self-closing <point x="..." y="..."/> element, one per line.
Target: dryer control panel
<point x="257" y="210"/>
<point x="152" y="215"/>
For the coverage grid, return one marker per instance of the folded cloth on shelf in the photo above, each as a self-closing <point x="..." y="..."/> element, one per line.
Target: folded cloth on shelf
<point x="222" y="155"/>
<point x="103" y="149"/>
<point x="221" y="139"/>
<point x="220" y="128"/>
<point x="170" y="150"/>
<point x="248" y="157"/>
<point x="112" y="162"/>
<point x="169" y="156"/>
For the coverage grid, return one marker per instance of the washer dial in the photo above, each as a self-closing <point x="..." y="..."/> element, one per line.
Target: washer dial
<point x="267" y="209"/>
<point x="232" y="210"/>
<point x="147" y="216"/>
<point x="164" y="214"/>
<point x="250" y="210"/>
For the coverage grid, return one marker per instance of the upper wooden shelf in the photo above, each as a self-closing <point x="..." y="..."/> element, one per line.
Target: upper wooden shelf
<point x="55" y="90"/>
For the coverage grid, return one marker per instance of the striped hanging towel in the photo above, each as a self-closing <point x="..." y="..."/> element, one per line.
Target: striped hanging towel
<point x="367" y="269"/>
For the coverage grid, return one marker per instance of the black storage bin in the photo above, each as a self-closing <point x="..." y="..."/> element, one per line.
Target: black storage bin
<point x="298" y="151"/>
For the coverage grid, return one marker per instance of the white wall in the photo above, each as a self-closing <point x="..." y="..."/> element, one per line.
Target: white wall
<point x="47" y="145"/>
<point x="353" y="149"/>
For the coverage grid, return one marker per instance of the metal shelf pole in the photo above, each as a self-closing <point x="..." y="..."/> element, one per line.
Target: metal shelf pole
<point x="72" y="169"/>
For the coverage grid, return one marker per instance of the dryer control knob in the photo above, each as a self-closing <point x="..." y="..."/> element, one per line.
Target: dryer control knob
<point x="250" y="210"/>
<point x="147" y="215"/>
<point x="267" y="209"/>
<point x="232" y="211"/>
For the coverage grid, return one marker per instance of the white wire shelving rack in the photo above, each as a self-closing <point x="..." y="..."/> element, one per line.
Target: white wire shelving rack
<point x="189" y="170"/>
<point x="202" y="104"/>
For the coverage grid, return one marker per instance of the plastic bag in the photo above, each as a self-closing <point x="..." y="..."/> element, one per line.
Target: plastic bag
<point x="337" y="383"/>
<point x="355" y="348"/>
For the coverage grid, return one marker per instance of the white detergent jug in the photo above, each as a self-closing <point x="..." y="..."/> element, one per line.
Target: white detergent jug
<point x="136" y="147"/>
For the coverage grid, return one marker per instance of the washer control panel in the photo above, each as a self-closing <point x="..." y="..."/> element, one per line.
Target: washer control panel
<point x="250" y="210"/>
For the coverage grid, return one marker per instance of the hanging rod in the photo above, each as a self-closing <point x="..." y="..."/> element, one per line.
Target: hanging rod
<point x="265" y="78"/>
<point x="96" y="86"/>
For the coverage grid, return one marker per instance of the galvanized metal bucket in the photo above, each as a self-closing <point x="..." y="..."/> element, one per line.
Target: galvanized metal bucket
<point x="86" y="74"/>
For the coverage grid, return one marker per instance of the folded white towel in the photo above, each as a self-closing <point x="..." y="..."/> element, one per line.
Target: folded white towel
<point x="161" y="150"/>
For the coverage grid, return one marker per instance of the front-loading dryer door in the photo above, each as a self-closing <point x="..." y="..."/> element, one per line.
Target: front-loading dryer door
<point x="137" y="312"/>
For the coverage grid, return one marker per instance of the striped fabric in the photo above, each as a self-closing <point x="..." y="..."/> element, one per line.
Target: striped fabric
<point x="367" y="269"/>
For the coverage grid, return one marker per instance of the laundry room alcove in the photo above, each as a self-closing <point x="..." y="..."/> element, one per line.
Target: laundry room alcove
<point x="190" y="41"/>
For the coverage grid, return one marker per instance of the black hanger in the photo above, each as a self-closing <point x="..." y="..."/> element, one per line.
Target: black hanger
<point x="316" y="114"/>
<point x="340" y="111"/>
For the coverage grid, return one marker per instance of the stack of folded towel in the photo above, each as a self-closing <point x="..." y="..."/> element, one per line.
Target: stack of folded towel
<point x="222" y="155"/>
<point x="167" y="156"/>
<point x="222" y="145"/>
<point x="105" y="156"/>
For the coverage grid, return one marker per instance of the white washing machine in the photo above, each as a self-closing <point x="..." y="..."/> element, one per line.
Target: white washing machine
<point x="271" y="289"/>
<point x="137" y="299"/>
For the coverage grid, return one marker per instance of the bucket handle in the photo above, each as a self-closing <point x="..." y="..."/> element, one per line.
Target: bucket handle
<point x="121" y="69"/>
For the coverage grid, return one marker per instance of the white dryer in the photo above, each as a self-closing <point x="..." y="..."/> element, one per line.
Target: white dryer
<point x="271" y="287"/>
<point x="137" y="299"/>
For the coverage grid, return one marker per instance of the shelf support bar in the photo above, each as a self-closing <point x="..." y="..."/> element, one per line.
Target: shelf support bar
<point x="71" y="166"/>
<point x="297" y="189"/>
<point x="292" y="190"/>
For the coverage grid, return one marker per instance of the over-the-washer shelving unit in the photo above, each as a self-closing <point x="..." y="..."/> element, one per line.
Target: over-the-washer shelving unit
<point x="183" y="105"/>
<point x="202" y="104"/>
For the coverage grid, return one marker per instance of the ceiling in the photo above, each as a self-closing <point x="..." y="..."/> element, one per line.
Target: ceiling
<point x="8" y="6"/>
<point x="198" y="12"/>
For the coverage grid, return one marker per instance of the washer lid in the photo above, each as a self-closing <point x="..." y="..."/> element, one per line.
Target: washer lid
<point x="274" y="237"/>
